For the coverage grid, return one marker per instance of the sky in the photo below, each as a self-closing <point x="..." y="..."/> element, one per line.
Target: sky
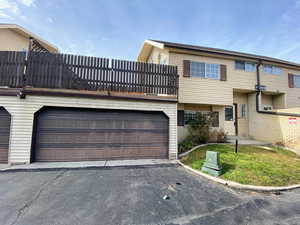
<point x="117" y="28"/>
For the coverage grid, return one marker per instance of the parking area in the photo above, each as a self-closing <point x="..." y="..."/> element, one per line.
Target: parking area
<point x="149" y="195"/>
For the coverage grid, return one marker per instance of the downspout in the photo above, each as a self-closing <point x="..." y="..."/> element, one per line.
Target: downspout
<point x="259" y="91"/>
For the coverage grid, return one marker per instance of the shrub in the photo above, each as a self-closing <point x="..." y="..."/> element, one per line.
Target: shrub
<point x="221" y="136"/>
<point x="217" y="136"/>
<point x="199" y="129"/>
<point x="185" y="145"/>
<point x="200" y="132"/>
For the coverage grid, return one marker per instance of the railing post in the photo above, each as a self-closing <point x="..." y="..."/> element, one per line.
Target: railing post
<point x="27" y="81"/>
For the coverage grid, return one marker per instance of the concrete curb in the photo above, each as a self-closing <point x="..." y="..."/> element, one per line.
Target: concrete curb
<point x="239" y="186"/>
<point x="233" y="184"/>
<point x="287" y="148"/>
<point x="194" y="148"/>
<point x="11" y="170"/>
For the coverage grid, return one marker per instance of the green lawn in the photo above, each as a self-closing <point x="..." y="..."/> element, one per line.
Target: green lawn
<point x="251" y="165"/>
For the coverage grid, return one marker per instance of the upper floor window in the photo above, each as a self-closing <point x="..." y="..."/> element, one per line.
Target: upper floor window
<point x="162" y="59"/>
<point x="296" y="81"/>
<point x="246" y="66"/>
<point x="205" y="70"/>
<point x="272" y="69"/>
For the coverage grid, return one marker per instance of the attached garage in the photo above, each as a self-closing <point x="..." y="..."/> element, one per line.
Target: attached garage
<point x="4" y="135"/>
<point x="73" y="134"/>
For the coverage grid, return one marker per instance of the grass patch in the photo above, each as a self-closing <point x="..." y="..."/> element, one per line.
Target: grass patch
<point x="251" y="165"/>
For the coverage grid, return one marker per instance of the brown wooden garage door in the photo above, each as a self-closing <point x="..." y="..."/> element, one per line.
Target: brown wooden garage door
<point x="4" y="134"/>
<point x="66" y="134"/>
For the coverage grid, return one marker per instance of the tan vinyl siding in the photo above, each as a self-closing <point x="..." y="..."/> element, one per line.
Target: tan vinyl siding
<point x="273" y="128"/>
<point x="22" y="111"/>
<point x="266" y="100"/>
<point x="199" y="90"/>
<point x="12" y="41"/>
<point x="206" y="91"/>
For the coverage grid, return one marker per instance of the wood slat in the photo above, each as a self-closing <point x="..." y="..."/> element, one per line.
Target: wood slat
<point x="48" y="70"/>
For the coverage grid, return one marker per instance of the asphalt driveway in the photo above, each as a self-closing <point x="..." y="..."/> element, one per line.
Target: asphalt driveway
<point x="135" y="196"/>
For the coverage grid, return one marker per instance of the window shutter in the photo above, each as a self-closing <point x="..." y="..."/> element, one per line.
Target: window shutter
<point x="180" y="118"/>
<point x="291" y="80"/>
<point x="186" y="68"/>
<point x="223" y="76"/>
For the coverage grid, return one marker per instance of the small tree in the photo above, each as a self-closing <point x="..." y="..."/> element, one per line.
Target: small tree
<point x="199" y="128"/>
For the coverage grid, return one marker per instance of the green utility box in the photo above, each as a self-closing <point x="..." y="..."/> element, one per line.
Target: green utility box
<point x="212" y="164"/>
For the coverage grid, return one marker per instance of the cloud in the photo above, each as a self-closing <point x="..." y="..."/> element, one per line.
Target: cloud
<point x="289" y="50"/>
<point x="10" y="9"/>
<point x="5" y="16"/>
<point x="9" y="6"/>
<point x="28" y="3"/>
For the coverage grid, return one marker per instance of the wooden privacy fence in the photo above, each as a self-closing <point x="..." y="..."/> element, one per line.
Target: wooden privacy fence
<point x="12" y="68"/>
<point x="47" y="70"/>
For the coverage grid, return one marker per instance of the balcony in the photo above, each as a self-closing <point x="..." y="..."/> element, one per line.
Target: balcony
<point x="40" y="72"/>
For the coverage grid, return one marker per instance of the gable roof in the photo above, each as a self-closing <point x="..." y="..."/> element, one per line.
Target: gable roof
<point x="166" y="44"/>
<point x="27" y="34"/>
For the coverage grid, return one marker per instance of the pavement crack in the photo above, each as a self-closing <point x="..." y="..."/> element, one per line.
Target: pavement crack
<point x="28" y="204"/>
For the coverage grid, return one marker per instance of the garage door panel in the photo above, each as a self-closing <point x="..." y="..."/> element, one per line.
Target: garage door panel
<point x="4" y="135"/>
<point x="131" y="137"/>
<point x="76" y="135"/>
<point x="3" y="154"/>
<point x="101" y="124"/>
<point x="62" y="154"/>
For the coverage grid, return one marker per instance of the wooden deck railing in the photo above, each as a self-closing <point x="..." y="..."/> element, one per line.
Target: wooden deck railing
<point x="47" y="70"/>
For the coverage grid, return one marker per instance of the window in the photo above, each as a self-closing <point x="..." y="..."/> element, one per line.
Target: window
<point x="239" y="65"/>
<point x="250" y="67"/>
<point x="246" y="66"/>
<point x="272" y="70"/>
<point x="191" y="115"/>
<point x="229" y="113"/>
<point x="205" y="70"/>
<point x="212" y="71"/>
<point x="188" y="116"/>
<point x="243" y="110"/>
<point x="296" y="81"/>
<point x="197" y="69"/>
<point x="163" y="60"/>
<point x="150" y="60"/>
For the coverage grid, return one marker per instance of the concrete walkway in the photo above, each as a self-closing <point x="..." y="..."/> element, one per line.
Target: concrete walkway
<point x="246" y="141"/>
<point x="88" y="164"/>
